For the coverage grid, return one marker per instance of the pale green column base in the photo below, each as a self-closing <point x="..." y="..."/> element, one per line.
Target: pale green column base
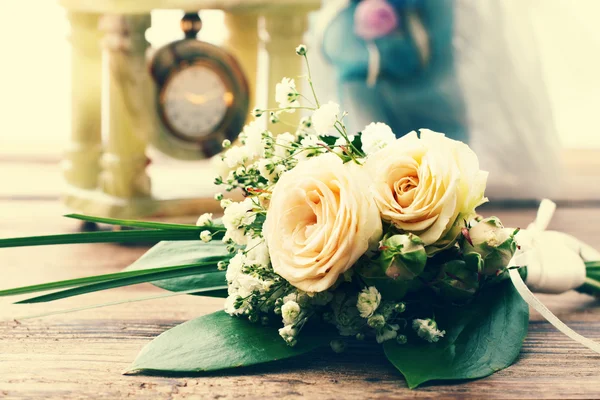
<point x="97" y="203"/>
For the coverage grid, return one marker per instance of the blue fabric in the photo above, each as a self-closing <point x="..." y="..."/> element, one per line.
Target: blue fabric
<point x="408" y="95"/>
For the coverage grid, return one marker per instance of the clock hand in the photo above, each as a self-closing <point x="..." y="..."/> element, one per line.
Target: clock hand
<point x="200" y="99"/>
<point x="194" y="98"/>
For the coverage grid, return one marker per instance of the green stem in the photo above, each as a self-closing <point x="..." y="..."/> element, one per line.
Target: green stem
<point x="312" y="88"/>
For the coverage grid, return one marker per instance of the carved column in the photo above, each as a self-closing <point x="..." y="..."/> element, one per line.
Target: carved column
<point x="243" y="44"/>
<point x="81" y="161"/>
<point x="124" y="83"/>
<point x="280" y="33"/>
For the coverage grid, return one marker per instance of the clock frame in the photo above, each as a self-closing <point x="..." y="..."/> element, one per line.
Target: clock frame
<point x="171" y="60"/>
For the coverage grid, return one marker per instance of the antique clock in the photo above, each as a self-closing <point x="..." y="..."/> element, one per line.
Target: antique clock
<point x="202" y="95"/>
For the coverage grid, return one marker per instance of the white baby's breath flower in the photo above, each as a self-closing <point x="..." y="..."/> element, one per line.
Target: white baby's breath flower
<point x="427" y="329"/>
<point x="324" y="118"/>
<point x="252" y="137"/>
<point x="219" y="166"/>
<point x="257" y="252"/>
<point x="205" y="220"/>
<point x="286" y="94"/>
<point x="205" y="236"/>
<point x="283" y="144"/>
<point x="230" y="305"/>
<point x="341" y="142"/>
<point x="268" y="168"/>
<point x="290" y="312"/>
<point x="236" y="217"/>
<point x="225" y="203"/>
<point x="288" y="334"/>
<point x="235" y="267"/>
<point x="236" y="156"/>
<point x="301" y="50"/>
<point x="368" y="301"/>
<point x="375" y="137"/>
<point x="388" y="332"/>
<point x="311" y="145"/>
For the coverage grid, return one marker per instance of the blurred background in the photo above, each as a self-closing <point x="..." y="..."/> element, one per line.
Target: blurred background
<point x="526" y="74"/>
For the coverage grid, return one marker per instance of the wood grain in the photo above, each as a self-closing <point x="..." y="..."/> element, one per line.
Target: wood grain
<point x="81" y="355"/>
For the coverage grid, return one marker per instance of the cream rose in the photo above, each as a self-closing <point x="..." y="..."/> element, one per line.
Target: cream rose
<point x="427" y="186"/>
<point x="320" y="220"/>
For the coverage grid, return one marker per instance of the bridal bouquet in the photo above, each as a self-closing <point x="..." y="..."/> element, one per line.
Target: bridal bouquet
<point x="340" y="238"/>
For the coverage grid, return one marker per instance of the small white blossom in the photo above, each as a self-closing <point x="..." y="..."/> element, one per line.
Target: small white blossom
<point x="268" y="168"/>
<point x="301" y="50"/>
<point x="311" y="144"/>
<point x="388" y="332"/>
<point x="257" y="252"/>
<point x="324" y="118"/>
<point x="235" y="267"/>
<point x="368" y="301"/>
<point x="341" y="142"/>
<point x="290" y="312"/>
<point x="219" y="166"/>
<point x="288" y="334"/>
<point x="236" y="217"/>
<point x="230" y="305"/>
<point x="286" y="94"/>
<point x="427" y="329"/>
<point x="225" y="203"/>
<point x="283" y="144"/>
<point x="205" y="236"/>
<point x="253" y="140"/>
<point x="236" y="156"/>
<point x="376" y="136"/>
<point x="205" y="220"/>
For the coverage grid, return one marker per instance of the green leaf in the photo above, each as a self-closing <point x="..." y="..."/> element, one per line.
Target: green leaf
<point x="213" y="279"/>
<point x="481" y="338"/>
<point x="185" y="252"/>
<point x="144" y="224"/>
<point x="133" y="236"/>
<point x="95" y="279"/>
<point x="218" y="341"/>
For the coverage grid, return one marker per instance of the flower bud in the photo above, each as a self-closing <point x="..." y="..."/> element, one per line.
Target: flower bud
<point x="428" y="329"/>
<point x="403" y="256"/>
<point x="376" y="321"/>
<point x="401" y="339"/>
<point x="493" y="242"/>
<point x="338" y="346"/>
<point x="301" y="50"/>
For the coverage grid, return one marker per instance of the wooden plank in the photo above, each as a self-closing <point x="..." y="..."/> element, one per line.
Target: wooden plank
<point x="81" y="355"/>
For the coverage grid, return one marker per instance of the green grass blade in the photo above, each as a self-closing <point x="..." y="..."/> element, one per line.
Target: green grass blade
<point x="592" y="265"/>
<point x="143" y="224"/>
<point x="101" y="278"/>
<point x="133" y="236"/>
<point x="215" y="279"/>
<point x="116" y="303"/>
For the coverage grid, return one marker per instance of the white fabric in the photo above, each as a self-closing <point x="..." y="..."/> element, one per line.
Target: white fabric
<point x="555" y="264"/>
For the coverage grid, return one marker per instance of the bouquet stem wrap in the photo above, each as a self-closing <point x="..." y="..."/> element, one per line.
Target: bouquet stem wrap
<point x="555" y="264"/>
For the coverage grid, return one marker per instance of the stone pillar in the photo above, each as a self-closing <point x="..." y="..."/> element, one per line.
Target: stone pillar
<point x="125" y="81"/>
<point x="280" y="34"/>
<point x="243" y="44"/>
<point x="81" y="161"/>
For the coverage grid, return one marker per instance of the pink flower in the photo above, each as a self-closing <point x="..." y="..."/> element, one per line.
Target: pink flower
<point x="374" y="19"/>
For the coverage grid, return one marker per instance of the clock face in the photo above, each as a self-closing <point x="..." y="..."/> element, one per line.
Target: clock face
<point x="195" y="101"/>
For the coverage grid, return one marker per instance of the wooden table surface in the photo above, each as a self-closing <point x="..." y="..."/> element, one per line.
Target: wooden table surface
<point x="81" y="355"/>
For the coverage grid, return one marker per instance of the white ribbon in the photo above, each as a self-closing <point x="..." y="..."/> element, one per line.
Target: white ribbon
<point x="555" y="264"/>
